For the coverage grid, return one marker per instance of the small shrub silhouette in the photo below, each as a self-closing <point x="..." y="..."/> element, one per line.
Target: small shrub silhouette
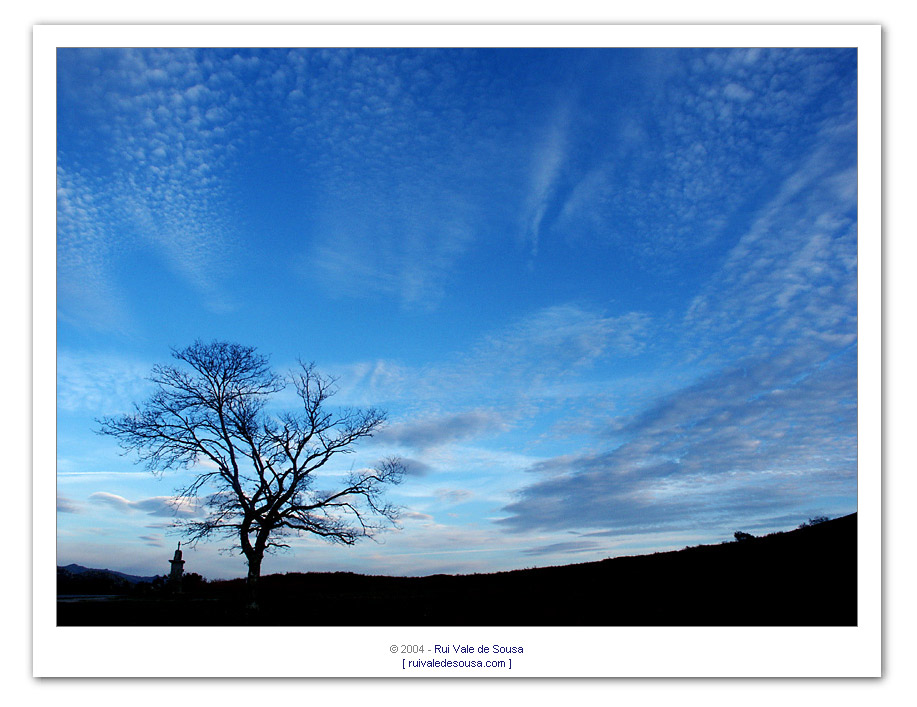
<point x="814" y="521"/>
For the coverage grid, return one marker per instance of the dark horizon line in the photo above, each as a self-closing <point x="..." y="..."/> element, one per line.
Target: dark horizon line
<point x="445" y="574"/>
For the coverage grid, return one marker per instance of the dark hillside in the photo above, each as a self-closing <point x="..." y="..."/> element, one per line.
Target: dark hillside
<point x="76" y="579"/>
<point x="803" y="577"/>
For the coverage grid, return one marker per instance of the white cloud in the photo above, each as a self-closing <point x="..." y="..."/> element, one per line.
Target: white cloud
<point x="169" y="506"/>
<point x="737" y="92"/>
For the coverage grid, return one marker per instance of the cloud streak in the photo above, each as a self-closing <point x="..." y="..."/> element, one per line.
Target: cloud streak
<point x="765" y="435"/>
<point x="66" y="505"/>
<point x="433" y="432"/>
<point x="547" y="167"/>
<point x="169" y="506"/>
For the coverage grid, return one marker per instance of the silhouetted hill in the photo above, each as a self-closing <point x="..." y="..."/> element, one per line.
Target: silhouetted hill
<point x="76" y="579"/>
<point x="132" y="578"/>
<point x="802" y="577"/>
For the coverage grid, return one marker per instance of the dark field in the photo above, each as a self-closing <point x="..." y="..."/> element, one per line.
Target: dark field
<point x="806" y="577"/>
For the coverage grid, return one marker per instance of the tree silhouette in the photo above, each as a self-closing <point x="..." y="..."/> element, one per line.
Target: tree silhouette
<point x="255" y="471"/>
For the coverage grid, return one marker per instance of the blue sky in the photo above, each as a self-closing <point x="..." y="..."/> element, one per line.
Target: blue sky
<point x="608" y="297"/>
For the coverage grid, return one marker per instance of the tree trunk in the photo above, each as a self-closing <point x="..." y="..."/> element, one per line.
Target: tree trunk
<point x="254" y="575"/>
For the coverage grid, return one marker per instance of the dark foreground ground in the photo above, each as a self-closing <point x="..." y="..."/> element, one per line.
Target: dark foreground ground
<point x="806" y="577"/>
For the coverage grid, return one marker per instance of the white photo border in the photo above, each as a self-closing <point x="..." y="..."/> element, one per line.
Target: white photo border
<point x="549" y="651"/>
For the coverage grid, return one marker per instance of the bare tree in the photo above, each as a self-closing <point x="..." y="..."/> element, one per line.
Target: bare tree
<point x="255" y="471"/>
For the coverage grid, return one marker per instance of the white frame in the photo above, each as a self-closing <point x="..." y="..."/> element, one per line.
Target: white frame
<point x="548" y="651"/>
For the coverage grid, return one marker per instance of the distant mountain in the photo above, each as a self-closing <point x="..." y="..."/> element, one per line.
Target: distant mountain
<point x="132" y="578"/>
<point x="76" y="579"/>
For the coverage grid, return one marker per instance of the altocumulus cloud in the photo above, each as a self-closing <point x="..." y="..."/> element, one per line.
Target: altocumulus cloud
<point x="99" y="382"/>
<point x="146" y="173"/>
<point x="722" y="121"/>
<point x="535" y="356"/>
<point x="568" y="336"/>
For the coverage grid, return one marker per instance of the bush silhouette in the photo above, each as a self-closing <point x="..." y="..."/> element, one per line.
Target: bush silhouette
<point x="814" y="521"/>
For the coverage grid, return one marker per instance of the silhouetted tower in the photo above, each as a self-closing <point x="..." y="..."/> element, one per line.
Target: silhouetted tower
<point x="177" y="568"/>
